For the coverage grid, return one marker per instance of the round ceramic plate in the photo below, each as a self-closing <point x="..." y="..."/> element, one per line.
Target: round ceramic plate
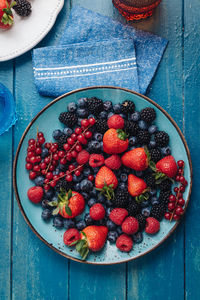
<point x="47" y="121"/>
<point x="28" y="32"/>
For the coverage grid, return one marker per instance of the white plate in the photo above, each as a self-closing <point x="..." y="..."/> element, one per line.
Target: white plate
<point x="28" y="32"/>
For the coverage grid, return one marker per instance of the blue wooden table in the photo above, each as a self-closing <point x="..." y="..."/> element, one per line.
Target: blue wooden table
<point x="28" y="268"/>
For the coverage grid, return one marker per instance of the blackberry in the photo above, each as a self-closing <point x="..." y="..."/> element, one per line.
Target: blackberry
<point x="131" y="127"/>
<point x="127" y="107"/>
<point x="63" y="184"/>
<point x="101" y="125"/>
<point x="94" y="105"/>
<point x="142" y="221"/>
<point x="155" y="154"/>
<point x="61" y="141"/>
<point x="165" y="185"/>
<point x="22" y="8"/>
<point x="69" y="119"/>
<point x="161" y="138"/>
<point x="150" y="180"/>
<point x="121" y="198"/>
<point x="158" y="211"/>
<point x="164" y="196"/>
<point x="133" y="207"/>
<point x="143" y="137"/>
<point x="148" y="114"/>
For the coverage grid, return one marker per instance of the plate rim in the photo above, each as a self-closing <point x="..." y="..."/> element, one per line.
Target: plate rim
<point x="19" y="148"/>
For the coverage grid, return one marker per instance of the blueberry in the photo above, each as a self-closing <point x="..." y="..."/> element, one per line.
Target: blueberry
<point x="123" y="116"/>
<point x="103" y="115"/>
<point x="81" y="225"/>
<point x="56" y="134"/>
<point x="112" y="236"/>
<point x="94" y="146"/>
<point x="135" y="116"/>
<point x="69" y="223"/>
<point x="45" y="203"/>
<point x="138" y="238"/>
<point x="46" y="214"/>
<point x="39" y="181"/>
<point x="145" y="203"/>
<point x="108" y="210"/>
<point x="166" y="151"/>
<point x="101" y="146"/>
<point x="72" y="107"/>
<point x="101" y="222"/>
<point x="81" y="102"/>
<point x="91" y="116"/>
<point x="146" y="212"/>
<point x="62" y="167"/>
<point x="86" y="172"/>
<point x="110" y="225"/>
<point x="119" y="230"/>
<point x="110" y="114"/>
<point x="152" y="144"/>
<point x="56" y="171"/>
<point x="77" y="178"/>
<point x="86" y="196"/>
<point x="108" y="203"/>
<point x="96" y="170"/>
<point x="123" y="177"/>
<point x="107" y="105"/>
<point x="86" y="185"/>
<point x="142" y="124"/>
<point x="101" y="198"/>
<point x="152" y="129"/>
<point x="125" y="170"/>
<point x="138" y="173"/>
<point x="77" y="187"/>
<point x="58" y="222"/>
<point x="88" y="219"/>
<point x="44" y="153"/>
<point x="93" y="193"/>
<point x="154" y="200"/>
<point x="82" y="113"/>
<point x="91" y="202"/>
<point x="132" y="141"/>
<point x="153" y="192"/>
<point x="67" y="131"/>
<point x="49" y="194"/>
<point x="98" y="137"/>
<point x="122" y="185"/>
<point x="117" y="108"/>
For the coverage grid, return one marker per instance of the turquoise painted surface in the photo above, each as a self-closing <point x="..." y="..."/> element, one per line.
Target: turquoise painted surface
<point x="28" y="269"/>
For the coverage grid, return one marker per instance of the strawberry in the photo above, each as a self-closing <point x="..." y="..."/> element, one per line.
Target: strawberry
<point x="35" y="194"/>
<point x="92" y="238"/>
<point x="106" y="182"/>
<point x="113" y="162"/>
<point x="116" y="122"/>
<point x="6" y="15"/>
<point x="124" y="243"/>
<point x="97" y="212"/>
<point x="152" y="225"/>
<point x="130" y="225"/>
<point x="70" y="204"/>
<point x="82" y="157"/>
<point x="115" y="141"/>
<point x="136" y="159"/>
<point x="118" y="215"/>
<point x="167" y="166"/>
<point x="136" y="185"/>
<point x="96" y="160"/>
<point x="70" y="236"/>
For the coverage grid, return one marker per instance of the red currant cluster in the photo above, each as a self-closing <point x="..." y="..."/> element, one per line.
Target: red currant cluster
<point x="176" y="202"/>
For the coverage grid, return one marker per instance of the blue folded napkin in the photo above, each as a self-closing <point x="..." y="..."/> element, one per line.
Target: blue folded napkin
<point x="96" y="50"/>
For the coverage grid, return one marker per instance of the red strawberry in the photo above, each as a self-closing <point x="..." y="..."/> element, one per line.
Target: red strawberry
<point x="35" y="194"/>
<point x="116" y="122"/>
<point x="96" y="160"/>
<point x="6" y="16"/>
<point x="118" y="215"/>
<point x="135" y="159"/>
<point x="70" y="204"/>
<point x="136" y="185"/>
<point x="167" y="165"/>
<point x="152" y="225"/>
<point x="97" y="212"/>
<point x="130" y="225"/>
<point x="105" y="177"/>
<point x="82" y="157"/>
<point x="113" y="162"/>
<point x="70" y="236"/>
<point x="115" y="141"/>
<point x="92" y="238"/>
<point x="124" y="243"/>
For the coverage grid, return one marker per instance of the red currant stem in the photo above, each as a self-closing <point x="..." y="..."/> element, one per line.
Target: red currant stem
<point x="67" y="173"/>
<point x="51" y="156"/>
<point x="177" y="197"/>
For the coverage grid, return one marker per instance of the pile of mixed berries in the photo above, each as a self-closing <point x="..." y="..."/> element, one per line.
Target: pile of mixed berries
<point x="113" y="160"/>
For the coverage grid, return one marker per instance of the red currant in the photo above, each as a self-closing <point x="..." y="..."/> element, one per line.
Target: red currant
<point x="69" y="156"/>
<point x="78" y="148"/>
<point x="74" y="136"/>
<point x="182" y="179"/>
<point x="29" y="166"/>
<point x="30" y="154"/>
<point x="61" y="154"/>
<point x="180" y="163"/>
<point x="91" y="121"/>
<point x="43" y="172"/>
<point x="55" y="145"/>
<point x="46" y="181"/>
<point x="38" y="151"/>
<point x="55" y="177"/>
<point x="84" y="141"/>
<point x="36" y="168"/>
<point x="171" y="206"/>
<point x="46" y="187"/>
<point x="185" y="183"/>
<point x="172" y="198"/>
<point x="56" y="156"/>
<point x="32" y="175"/>
<point x="77" y="173"/>
<point x="61" y="174"/>
<point x="66" y="147"/>
<point x="176" y="217"/>
<point x="47" y="160"/>
<point x="74" y="153"/>
<point x="81" y="138"/>
<point x="91" y="177"/>
<point x="38" y="158"/>
<point x="176" y="189"/>
<point x="27" y="159"/>
<point x="177" y="178"/>
<point x="78" y="130"/>
<point x="182" y="189"/>
<point x="31" y="142"/>
<point x="85" y="123"/>
<point x="168" y="215"/>
<point x="43" y="166"/>
<point x="31" y="148"/>
<point x="33" y="160"/>
<point x="40" y="134"/>
<point x="69" y="177"/>
<point x="70" y="141"/>
<point x="180" y="195"/>
<point x="47" y="145"/>
<point x="180" y="171"/>
<point x="41" y="140"/>
<point x="71" y="167"/>
<point x="63" y="161"/>
<point x="80" y="168"/>
<point x="51" y="168"/>
<point x="181" y="202"/>
<point x="49" y="175"/>
<point x="53" y="183"/>
<point x="88" y="134"/>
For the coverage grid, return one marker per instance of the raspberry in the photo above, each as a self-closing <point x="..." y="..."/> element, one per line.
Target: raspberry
<point x="113" y="162"/>
<point x="130" y="225"/>
<point x="96" y="160"/>
<point x="116" y="122"/>
<point x="118" y="215"/>
<point x="35" y="194"/>
<point x="124" y="243"/>
<point x="152" y="225"/>
<point x="82" y="157"/>
<point x="97" y="212"/>
<point x="70" y="236"/>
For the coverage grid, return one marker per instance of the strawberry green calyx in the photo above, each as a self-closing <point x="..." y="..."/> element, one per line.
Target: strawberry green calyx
<point x="107" y="191"/>
<point x="7" y="18"/>
<point x="144" y="196"/>
<point x="63" y="200"/>
<point x="82" y="246"/>
<point x="122" y="135"/>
